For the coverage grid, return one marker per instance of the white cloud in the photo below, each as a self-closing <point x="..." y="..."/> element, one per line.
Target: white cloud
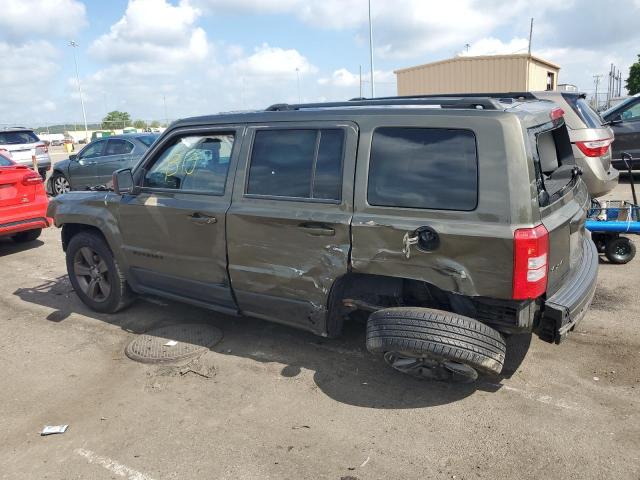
<point x="269" y="62"/>
<point x="154" y="31"/>
<point x="494" y="46"/>
<point x="344" y="78"/>
<point x="21" y="19"/>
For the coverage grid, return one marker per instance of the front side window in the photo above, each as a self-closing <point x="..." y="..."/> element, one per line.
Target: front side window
<point x="93" y="149"/>
<point x="429" y="168"/>
<point x="197" y="163"/>
<point x="118" y="146"/>
<point x="631" y="114"/>
<point x="298" y="163"/>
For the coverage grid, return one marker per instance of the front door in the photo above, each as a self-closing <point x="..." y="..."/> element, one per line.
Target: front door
<point x="82" y="171"/>
<point x="289" y="224"/>
<point x="627" y="132"/>
<point x="115" y="157"/>
<point x="174" y="230"/>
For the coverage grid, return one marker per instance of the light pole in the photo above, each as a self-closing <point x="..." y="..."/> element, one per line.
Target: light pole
<point x="73" y="45"/>
<point x="373" y="86"/>
<point x="298" y="77"/>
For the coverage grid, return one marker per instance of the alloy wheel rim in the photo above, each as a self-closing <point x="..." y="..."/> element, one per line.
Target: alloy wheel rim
<point x="430" y="367"/>
<point x="61" y="185"/>
<point x="92" y="274"/>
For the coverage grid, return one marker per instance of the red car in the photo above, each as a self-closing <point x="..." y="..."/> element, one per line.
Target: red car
<point x="23" y="201"/>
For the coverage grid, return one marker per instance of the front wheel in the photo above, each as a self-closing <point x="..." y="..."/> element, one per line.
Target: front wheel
<point x="432" y="344"/>
<point x="620" y="250"/>
<point x="59" y="184"/>
<point x="95" y="274"/>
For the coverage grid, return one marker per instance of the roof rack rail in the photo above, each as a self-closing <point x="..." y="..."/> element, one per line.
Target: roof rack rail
<point x="471" y="102"/>
<point x="513" y="95"/>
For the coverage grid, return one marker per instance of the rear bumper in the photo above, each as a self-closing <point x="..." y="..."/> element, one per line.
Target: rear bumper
<point x="19" y="218"/>
<point x="8" y="229"/>
<point x="567" y="307"/>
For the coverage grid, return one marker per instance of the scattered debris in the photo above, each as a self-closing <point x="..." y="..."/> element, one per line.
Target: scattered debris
<point x="171" y="343"/>
<point x="596" y="378"/>
<point x="298" y="427"/>
<point x="365" y="462"/>
<point x="53" y="429"/>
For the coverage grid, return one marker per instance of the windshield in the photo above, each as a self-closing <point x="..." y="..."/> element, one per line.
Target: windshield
<point x="16" y="138"/>
<point x="148" y="139"/>
<point x="618" y="107"/>
<point x="582" y="108"/>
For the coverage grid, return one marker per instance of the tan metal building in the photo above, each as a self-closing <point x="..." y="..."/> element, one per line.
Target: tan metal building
<point x="491" y="73"/>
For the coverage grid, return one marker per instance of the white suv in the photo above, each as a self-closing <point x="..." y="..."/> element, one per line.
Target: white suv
<point x="22" y="144"/>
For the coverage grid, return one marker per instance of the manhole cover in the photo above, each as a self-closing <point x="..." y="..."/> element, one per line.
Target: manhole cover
<point x="172" y="343"/>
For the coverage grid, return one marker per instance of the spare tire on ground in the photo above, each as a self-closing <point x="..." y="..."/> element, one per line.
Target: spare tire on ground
<point x="434" y="344"/>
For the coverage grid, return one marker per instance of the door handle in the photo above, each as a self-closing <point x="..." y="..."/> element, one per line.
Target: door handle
<point x="200" y="219"/>
<point x="317" y="229"/>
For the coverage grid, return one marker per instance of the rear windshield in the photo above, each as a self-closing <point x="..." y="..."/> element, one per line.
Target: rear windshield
<point x="584" y="111"/>
<point x="148" y="139"/>
<point x="554" y="162"/>
<point x="5" y="162"/>
<point x="16" y="138"/>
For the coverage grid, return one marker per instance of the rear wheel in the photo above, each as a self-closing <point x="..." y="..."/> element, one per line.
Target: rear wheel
<point x="95" y="274"/>
<point x="620" y="250"/>
<point x="59" y="184"/>
<point x="28" y="236"/>
<point x="436" y="345"/>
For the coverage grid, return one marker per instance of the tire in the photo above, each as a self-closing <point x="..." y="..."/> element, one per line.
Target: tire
<point x="95" y="274"/>
<point x="442" y="337"/>
<point x="59" y="184"/>
<point x="27" y="236"/>
<point x="620" y="250"/>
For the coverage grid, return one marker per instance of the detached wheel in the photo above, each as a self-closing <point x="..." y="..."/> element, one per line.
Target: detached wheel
<point x="59" y="184"/>
<point x="28" y="236"/>
<point x="436" y="345"/>
<point x="620" y="250"/>
<point x="95" y="274"/>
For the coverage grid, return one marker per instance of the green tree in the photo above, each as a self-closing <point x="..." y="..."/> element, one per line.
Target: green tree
<point x="140" y="124"/>
<point x="155" y="124"/>
<point x="116" y="119"/>
<point x="633" y="81"/>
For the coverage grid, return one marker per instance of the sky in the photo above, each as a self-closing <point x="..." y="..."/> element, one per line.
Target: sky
<point x="160" y="59"/>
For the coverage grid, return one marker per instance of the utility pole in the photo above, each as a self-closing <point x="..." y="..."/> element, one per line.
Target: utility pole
<point x="360" y="70"/>
<point x="530" y="34"/>
<point x="298" y="77"/>
<point x="373" y="85"/>
<point x="596" y="80"/>
<point x="73" y="45"/>
<point x="166" y="117"/>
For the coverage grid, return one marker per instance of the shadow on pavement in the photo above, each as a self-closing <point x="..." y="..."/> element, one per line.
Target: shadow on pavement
<point x="343" y="369"/>
<point x="9" y="247"/>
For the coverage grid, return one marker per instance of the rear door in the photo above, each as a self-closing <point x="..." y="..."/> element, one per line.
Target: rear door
<point x="84" y="169"/>
<point x="288" y="228"/>
<point x="173" y="232"/>
<point x="115" y="156"/>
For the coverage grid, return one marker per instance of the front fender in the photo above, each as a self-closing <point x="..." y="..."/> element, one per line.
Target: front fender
<point x="92" y="209"/>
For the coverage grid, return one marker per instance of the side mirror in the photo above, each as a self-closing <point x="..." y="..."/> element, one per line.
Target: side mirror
<point x="123" y="182"/>
<point x="615" y="120"/>
<point x="73" y="158"/>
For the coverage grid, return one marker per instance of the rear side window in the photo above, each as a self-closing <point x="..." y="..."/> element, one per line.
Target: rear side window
<point x="118" y="146"/>
<point x="423" y="168"/>
<point x="584" y="111"/>
<point x="16" y="138"/>
<point x="298" y="163"/>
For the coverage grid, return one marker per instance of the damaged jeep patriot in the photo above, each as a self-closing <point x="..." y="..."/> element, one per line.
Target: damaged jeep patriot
<point x="447" y="223"/>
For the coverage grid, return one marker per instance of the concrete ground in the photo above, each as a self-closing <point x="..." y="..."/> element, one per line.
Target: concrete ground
<point x="274" y="402"/>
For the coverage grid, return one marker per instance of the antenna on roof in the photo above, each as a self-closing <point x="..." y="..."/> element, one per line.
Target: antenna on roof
<point x="530" y="35"/>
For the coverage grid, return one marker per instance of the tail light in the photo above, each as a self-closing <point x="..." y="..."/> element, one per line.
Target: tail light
<point x="41" y="148"/>
<point x="31" y="178"/>
<point x="530" y="262"/>
<point x="595" y="148"/>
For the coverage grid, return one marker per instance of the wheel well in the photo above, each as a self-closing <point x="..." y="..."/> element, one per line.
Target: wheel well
<point x="69" y="230"/>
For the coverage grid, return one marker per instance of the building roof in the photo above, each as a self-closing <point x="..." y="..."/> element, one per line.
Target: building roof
<point x="480" y="57"/>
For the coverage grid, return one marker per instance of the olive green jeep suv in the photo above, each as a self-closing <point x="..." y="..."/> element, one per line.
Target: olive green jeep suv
<point x="450" y="222"/>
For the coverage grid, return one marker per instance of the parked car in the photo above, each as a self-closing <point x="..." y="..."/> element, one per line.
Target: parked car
<point x="590" y="138"/>
<point x="624" y="119"/>
<point x="95" y="163"/>
<point x="22" y="144"/>
<point x="438" y="223"/>
<point x="23" y="202"/>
